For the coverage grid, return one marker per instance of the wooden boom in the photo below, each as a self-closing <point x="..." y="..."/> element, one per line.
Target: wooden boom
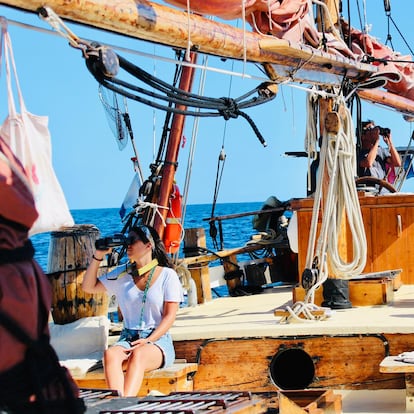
<point x="165" y="25"/>
<point x="399" y="103"/>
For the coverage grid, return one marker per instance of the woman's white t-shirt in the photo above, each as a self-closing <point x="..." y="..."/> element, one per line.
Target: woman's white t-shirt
<point x="166" y="288"/>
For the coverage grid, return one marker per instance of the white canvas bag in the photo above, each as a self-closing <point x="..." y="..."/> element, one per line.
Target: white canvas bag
<point x="29" y="138"/>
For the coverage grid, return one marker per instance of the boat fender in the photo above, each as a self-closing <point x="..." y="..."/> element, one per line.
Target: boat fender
<point x="192" y="293"/>
<point x="173" y="229"/>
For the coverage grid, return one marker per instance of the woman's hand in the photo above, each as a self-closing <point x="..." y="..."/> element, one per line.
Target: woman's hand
<point x="139" y="342"/>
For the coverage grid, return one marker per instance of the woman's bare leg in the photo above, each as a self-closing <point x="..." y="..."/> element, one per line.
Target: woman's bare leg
<point x="144" y="358"/>
<point x="113" y="360"/>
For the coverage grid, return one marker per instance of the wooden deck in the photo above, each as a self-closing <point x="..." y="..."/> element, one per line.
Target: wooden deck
<point x="238" y="343"/>
<point x="234" y="342"/>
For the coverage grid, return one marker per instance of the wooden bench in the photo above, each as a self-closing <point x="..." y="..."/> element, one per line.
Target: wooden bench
<point x="390" y="366"/>
<point x="177" y="377"/>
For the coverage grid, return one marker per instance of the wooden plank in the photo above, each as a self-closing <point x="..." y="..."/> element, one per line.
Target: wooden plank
<point x="250" y="370"/>
<point x="309" y="402"/>
<point x="222" y="254"/>
<point x="390" y="365"/>
<point x="165" y="380"/>
<point x="285" y="314"/>
<point x="393" y="248"/>
<point x="235" y="364"/>
<point x="201" y="277"/>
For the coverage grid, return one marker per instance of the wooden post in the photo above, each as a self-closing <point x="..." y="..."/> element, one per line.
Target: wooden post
<point x="323" y="21"/>
<point x="193" y="239"/>
<point x="229" y="267"/>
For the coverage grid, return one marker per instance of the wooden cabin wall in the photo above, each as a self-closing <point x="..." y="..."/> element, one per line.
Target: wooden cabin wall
<point x="341" y="362"/>
<point x="389" y="227"/>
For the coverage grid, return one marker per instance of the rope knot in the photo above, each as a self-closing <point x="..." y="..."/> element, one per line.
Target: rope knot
<point x="231" y="109"/>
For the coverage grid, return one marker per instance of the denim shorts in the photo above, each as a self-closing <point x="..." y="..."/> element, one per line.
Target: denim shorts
<point x="164" y="343"/>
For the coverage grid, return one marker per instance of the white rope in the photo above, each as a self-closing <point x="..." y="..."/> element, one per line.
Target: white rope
<point x="244" y="34"/>
<point x="343" y="198"/>
<point x="311" y="135"/>
<point x="57" y="23"/>
<point x="155" y="210"/>
<point x="338" y="154"/>
<point x="183" y="273"/>
<point x="189" y="43"/>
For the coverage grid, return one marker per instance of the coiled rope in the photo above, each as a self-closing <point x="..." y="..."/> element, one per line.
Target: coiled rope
<point x="339" y="158"/>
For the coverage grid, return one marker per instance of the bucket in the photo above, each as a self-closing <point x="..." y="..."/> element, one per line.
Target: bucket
<point x="255" y="274"/>
<point x="70" y="251"/>
<point x="336" y="294"/>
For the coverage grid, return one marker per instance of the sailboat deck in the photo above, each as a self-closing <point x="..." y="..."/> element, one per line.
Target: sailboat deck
<point x="253" y="316"/>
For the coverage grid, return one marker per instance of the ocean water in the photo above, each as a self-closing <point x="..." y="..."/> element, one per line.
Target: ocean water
<point x="236" y="232"/>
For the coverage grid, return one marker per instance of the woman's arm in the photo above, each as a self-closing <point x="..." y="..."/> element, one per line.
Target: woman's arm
<point x="90" y="283"/>
<point x="368" y="161"/>
<point x="394" y="159"/>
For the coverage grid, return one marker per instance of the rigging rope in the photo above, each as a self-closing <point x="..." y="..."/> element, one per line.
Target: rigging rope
<point x="311" y="135"/>
<point x="339" y="158"/>
<point x="209" y="107"/>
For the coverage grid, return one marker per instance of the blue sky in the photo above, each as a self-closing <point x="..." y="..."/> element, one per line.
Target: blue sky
<point x="94" y="173"/>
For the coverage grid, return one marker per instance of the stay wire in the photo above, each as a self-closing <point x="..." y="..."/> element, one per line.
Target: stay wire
<point x="219" y="175"/>
<point x="402" y="36"/>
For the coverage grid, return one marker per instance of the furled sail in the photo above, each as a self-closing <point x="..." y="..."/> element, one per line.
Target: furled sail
<point x="387" y="61"/>
<point x="292" y="20"/>
<point x="283" y="19"/>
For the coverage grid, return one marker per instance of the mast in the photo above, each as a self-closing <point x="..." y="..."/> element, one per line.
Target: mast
<point x="171" y="157"/>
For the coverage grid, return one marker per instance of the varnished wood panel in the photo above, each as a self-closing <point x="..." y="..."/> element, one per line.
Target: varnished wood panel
<point x="393" y="231"/>
<point x="341" y="362"/>
<point x="389" y="228"/>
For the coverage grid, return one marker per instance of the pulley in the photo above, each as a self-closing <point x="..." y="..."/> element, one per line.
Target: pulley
<point x="102" y="59"/>
<point x="309" y="278"/>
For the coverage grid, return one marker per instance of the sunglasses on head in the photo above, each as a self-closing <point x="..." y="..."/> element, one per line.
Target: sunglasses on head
<point x="142" y="233"/>
<point x="130" y="240"/>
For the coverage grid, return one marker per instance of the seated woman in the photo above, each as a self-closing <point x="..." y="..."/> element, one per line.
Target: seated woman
<point x="149" y="297"/>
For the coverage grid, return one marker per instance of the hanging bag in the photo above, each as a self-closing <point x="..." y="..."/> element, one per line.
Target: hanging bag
<point x="29" y="138"/>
